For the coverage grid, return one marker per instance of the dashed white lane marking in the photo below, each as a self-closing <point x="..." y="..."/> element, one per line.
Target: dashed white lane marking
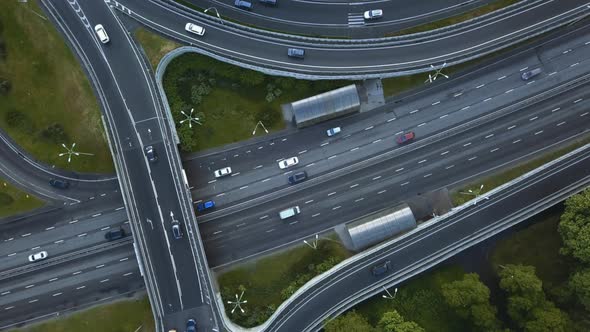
<point x="494" y="150"/>
<point x="294" y="222"/>
<point x="91" y="198"/>
<point x="25" y="235"/>
<point x="553" y="73"/>
<point x="9" y="239"/>
<point x="457" y="94"/>
<point x="555" y="109"/>
<point x="443" y="116"/>
<point x="244" y="187"/>
<point x="96" y="215"/>
<point x="467" y="144"/>
<point x="399" y="169"/>
<point x="57" y="294"/>
<point x="270" y="230"/>
<point x="508" y="91"/>
<point x="212" y="181"/>
<point x="81" y="287"/>
<point x="465" y="108"/>
<point x="533" y="118"/>
<point x="354" y="185"/>
<point x="127" y="274"/>
<point x="103" y="195"/>
<point x="76" y="273"/>
<point x="219" y="195"/>
<point x="369" y="128"/>
<point x="358" y="200"/>
<point x="436" y="103"/>
<point x="381" y="192"/>
<point x="354" y="149"/>
<point x="336" y="207"/>
<point x="279" y="159"/>
<point x="123" y="259"/>
<point x="35" y="248"/>
<point x="240" y="225"/>
<point x="236" y="174"/>
<point x="309" y="165"/>
<point x="518" y="140"/>
<point x="578" y="100"/>
<point x="33" y="301"/>
<point x="480" y="86"/>
<point x="73" y="221"/>
<point x="257" y="167"/>
<point x="248" y="151"/>
<point x="331" y="157"/>
<point x="443" y="153"/>
<point x="332" y="193"/>
<point x="392" y="119"/>
<point x="422" y="124"/>
<point x="523" y="69"/>
<point x="8" y="308"/>
<point x="29" y="286"/>
<point x="414" y="111"/>
<point x="236" y="155"/>
<point x="561" y="123"/>
<point x="302" y="152"/>
<point x="531" y="82"/>
<point x="83" y="234"/>
<point x="217" y="232"/>
<point x="377" y="178"/>
<point x="260" y="147"/>
<point x="107" y="227"/>
<point x="511" y="127"/>
<point x="566" y="51"/>
<point x="490" y="135"/>
<point x="501" y="78"/>
<point x="487" y="99"/>
<point x="10" y="255"/>
<point x="263" y="217"/>
<point x="405" y="183"/>
<point x="449" y="167"/>
<point x="104" y="280"/>
<point x="574" y="64"/>
<point x="53" y="279"/>
<point x="376" y="141"/>
<point x="315" y="215"/>
<point x="119" y="208"/>
<point x="586" y="43"/>
<point x="427" y="175"/>
<point x="584" y="114"/>
<point x="267" y="179"/>
<point x="324" y="144"/>
<point x="472" y="158"/>
<point x="283" y="140"/>
<point x="49" y="228"/>
<point x="310" y="201"/>
<point x="58" y="241"/>
<point x="4" y="293"/>
<point x="422" y="161"/>
<point x="539" y="132"/>
<point x="99" y="266"/>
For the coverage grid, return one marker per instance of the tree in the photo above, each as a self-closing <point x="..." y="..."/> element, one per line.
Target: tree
<point x="525" y="291"/>
<point x="574" y="226"/>
<point x="349" y="322"/>
<point x="470" y="298"/>
<point x="392" y="321"/>
<point x="580" y="284"/>
<point x="547" y="319"/>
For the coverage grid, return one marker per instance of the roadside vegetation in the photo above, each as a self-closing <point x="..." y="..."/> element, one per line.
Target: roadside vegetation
<point x="541" y="275"/>
<point x="45" y="98"/>
<point x="502" y="177"/>
<point x="480" y="11"/>
<point x="122" y="316"/>
<point x="14" y="201"/>
<point x="154" y="45"/>
<point x="268" y="281"/>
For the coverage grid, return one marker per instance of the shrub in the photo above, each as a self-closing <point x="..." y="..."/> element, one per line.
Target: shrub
<point x="55" y="133"/>
<point x="5" y="199"/>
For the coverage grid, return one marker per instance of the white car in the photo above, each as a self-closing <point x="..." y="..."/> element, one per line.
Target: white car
<point x="222" y="172"/>
<point x="333" y="131"/>
<point x="288" y="162"/>
<point x="373" y="14"/>
<point x="101" y="33"/>
<point x="41" y="255"/>
<point x="193" y="28"/>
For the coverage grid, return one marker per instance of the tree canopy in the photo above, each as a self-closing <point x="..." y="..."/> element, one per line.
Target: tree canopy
<point x="350" y="322"/>
<point x="392" y="321"/>
<point x="574" y="226"/>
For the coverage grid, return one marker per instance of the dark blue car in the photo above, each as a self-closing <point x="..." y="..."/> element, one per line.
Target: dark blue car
<point x="204" y="206"/>
<point x="191" y="326"/>
<point x="243" y="4"/>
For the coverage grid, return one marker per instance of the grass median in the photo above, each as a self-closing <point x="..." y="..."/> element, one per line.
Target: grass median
<point x="14" y="201"/>
<point x="268" y="281"/>
<point x="47" y="99"/>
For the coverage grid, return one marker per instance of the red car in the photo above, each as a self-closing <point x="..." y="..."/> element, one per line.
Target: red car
<point x="405" y="138"/>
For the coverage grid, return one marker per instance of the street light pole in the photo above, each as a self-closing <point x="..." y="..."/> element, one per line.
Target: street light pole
<point x="216" y="13"/>
<point x="263" y="127"/>
<point x="389" y="296"/>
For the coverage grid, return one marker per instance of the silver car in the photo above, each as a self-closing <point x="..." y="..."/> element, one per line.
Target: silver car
<point x="373" y="14"/>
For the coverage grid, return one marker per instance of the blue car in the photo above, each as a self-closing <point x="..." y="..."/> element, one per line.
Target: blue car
<point x="191" y="326"/>
<point x="204" y="206"/>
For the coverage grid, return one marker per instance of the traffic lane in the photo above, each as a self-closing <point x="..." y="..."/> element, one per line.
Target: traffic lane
<point x="417" y="248"/>
<point x="179" y="251"/>
<point x="335" y="206"/>
<point x="77" y="284"/>
<point x="334" y="60"/>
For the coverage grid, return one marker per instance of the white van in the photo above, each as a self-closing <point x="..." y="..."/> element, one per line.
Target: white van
<point x="290" y="212"/>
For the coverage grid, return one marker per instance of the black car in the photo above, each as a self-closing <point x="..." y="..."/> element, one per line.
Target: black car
<point x="296" y="53"/>
<point x="61" y="184"/>
<point x="115" y="234"/>
<point x="297" y="177"/>
<point x="243" y="4"/>
<point x="380" y="269"/>
<point x="150" y="153"/>
<point x="268" y="2"/>
<point x="176" y="230"/>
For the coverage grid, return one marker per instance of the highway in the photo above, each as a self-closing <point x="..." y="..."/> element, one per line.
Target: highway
<point x="339" y="18"/>
<point x="351" y="59"/>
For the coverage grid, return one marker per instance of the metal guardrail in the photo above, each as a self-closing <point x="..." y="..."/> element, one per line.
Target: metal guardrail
<point x="64" y="258"/>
